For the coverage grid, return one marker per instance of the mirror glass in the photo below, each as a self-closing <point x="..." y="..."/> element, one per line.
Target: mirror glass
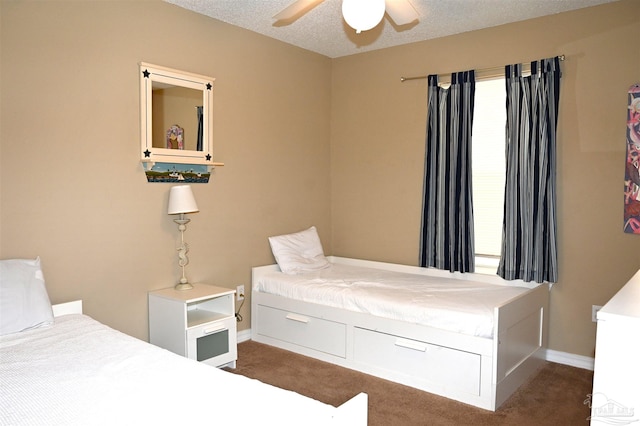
<point x="176" y="116"/>
<point x="177" y="113"/>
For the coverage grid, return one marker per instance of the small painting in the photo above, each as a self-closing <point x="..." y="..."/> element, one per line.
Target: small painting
<point x="632" y="167"/>
<point x="175" y="137"/>
<point x="178" y="173"/>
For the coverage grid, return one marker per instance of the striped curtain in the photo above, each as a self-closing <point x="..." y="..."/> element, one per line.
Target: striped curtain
<point x="529" y="240"/>
<point x="447" y="216"/>
<point x="199" y="145"/>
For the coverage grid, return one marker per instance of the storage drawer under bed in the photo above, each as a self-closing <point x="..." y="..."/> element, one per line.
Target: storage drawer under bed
<point x="304" y="330"/>
<point x="445" y="367"/>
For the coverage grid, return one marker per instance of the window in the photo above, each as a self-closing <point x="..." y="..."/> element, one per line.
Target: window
<point x="488" y="164"/>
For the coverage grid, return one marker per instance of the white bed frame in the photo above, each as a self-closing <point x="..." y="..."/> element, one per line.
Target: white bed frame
<point x="73" y="307"/>
<point x="354" y="412"/>
<point x="479" y="371"/>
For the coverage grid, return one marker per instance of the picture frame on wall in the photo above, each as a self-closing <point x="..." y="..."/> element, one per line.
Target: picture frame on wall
<point x="632" y="166"/>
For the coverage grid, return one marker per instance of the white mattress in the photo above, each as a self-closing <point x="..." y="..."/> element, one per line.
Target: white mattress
<point x="455" y="305"/>
<point x="81" y="372"/>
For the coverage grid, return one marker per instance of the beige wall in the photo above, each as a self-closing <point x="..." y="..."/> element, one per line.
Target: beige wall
<point x="377" y="149"/>
<point x="306" y="140"/>
<point x="73" y="190"/>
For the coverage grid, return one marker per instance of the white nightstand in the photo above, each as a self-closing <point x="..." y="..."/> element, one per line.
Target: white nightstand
<point x="199" y="323"/>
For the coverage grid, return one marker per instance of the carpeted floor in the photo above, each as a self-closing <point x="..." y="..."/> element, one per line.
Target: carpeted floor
<point x="554" y="396"/>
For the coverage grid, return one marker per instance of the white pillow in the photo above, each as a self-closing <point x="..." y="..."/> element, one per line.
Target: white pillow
<point x="24" y="302"/>
<point x="299" y="252"/>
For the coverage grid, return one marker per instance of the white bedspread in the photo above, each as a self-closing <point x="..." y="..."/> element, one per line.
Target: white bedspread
<point x="455" y="305"/>
<point x="81" y="372"/>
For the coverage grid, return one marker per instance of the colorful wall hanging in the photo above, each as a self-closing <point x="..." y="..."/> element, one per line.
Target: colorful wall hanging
<point x="178" y="173"/>
<point x="632" y="168"/>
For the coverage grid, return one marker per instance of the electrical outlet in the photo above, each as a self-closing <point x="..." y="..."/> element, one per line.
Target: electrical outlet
<point x="240" y="293"/>
<point x="594" y="312"/>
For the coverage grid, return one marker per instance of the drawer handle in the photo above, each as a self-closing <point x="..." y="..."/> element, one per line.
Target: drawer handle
<point x="410" y="344"/>
<point x="214" y="329"/>
<point x="298" y="318"/>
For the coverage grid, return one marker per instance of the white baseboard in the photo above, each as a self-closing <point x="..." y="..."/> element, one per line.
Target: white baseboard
<point x="565" y="358"/>
<point x="573" y="360"/>
<point x="244" y="335"/>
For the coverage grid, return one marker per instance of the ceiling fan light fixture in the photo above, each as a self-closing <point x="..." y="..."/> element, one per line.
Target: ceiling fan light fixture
<point x="362" y="15"/>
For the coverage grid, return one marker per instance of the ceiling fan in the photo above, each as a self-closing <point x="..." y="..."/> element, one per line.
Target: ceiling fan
<point x="361" y="15"/>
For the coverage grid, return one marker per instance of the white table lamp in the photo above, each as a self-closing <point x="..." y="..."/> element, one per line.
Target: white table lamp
<point x="181" y="201"/>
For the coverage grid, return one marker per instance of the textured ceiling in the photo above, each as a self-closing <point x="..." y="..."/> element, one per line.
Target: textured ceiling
<point x="323" y="30"/>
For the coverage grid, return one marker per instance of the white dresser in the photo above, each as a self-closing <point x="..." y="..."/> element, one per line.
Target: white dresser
<point x="616" y="382"/>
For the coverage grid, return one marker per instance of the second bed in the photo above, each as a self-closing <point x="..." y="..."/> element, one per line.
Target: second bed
<point x="470" y="337"/>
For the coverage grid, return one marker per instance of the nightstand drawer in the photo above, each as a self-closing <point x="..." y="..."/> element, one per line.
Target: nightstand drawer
<point x="304" y="330"/>
<point x="213" y="343"/>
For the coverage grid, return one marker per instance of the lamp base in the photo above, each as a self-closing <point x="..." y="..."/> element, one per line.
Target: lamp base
<point x="183" y="286"/>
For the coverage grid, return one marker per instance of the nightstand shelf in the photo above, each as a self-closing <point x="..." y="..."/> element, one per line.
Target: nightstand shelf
<point x="199" y="323"/>
<point x="196" y="317"/>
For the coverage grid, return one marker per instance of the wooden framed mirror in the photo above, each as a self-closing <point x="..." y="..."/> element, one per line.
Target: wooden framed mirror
<point x="175" y="117"/>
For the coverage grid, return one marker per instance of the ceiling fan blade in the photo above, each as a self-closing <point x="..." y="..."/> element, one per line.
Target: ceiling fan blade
<point x="295" y="9"/>
<point x="401" y="11"/>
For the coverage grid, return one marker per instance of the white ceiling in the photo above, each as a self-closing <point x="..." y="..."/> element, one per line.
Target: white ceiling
<point x="323" y="30"/>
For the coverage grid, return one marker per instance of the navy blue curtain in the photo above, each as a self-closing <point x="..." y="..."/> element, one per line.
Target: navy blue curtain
<point x="447" y="215"/>
<point x="529" y="241"/>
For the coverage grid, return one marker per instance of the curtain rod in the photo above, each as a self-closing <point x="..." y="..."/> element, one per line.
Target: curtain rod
<point x="482" y="74"/>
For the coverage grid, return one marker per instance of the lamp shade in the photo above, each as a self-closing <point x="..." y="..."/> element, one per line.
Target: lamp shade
<point x="181" y="200"/>
<point x="362" y="15"/>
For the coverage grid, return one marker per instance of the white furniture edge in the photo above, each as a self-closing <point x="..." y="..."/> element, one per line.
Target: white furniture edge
<point x="615" y="397"/>
<point x="354" y="412"/>
<point x="506" y="361"/>
<point x="73" y="307"/>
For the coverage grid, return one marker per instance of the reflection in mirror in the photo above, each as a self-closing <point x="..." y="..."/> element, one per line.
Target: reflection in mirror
<point x="176" y="117"/>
